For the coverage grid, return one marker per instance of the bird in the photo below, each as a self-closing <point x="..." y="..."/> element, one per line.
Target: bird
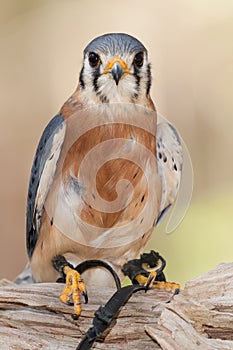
<point x="105" y="173"/>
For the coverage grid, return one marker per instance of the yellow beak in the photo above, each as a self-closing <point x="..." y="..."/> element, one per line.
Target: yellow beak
<point x="117" y="67"/>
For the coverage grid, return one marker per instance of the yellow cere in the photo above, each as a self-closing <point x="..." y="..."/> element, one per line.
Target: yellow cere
<point x="112" y="62"/>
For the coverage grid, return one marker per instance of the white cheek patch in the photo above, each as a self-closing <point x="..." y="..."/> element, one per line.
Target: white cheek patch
<point x="127" y="91"/>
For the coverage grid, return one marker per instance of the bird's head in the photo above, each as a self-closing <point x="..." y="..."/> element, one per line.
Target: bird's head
<point x="115" y="69"/>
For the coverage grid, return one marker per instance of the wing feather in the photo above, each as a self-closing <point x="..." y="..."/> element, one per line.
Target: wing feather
<point x="170" y="161"/>
<point x="41" y="178"/>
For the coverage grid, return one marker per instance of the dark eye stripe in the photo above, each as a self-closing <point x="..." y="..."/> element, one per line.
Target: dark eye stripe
<point x="138" y="80"/>
<point x="81" y="81"/>
<point x="148" y="79"/>
<point x="96" y="75"/>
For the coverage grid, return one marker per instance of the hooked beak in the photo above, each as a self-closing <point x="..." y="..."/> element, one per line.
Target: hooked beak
<point x="117" y="67"/>
<point x="117" y="72"/>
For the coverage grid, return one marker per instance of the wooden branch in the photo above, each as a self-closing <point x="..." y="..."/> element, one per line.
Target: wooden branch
<point x="200" y="317"/>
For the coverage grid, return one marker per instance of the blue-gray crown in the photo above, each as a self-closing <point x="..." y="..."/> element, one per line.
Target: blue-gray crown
<point x="115" y="43"/>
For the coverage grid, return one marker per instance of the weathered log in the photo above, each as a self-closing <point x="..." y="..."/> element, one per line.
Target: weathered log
<point x="200" y="317"/>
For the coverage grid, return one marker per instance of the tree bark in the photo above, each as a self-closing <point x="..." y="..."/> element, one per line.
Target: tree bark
<point x="200" y="317"/>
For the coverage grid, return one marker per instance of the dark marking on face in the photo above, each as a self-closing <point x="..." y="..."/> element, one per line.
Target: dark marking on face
<point x="96" y="75"/>
<point x="138" y="79"/>
<point x="148" y="79"/>
<point x="81" y="81"/>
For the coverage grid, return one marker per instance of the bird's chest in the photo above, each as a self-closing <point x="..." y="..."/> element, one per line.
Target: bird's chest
<point x="108" y="190"/>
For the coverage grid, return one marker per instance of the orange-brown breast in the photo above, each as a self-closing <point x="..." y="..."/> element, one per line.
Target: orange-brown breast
<point x="110" y="172"/>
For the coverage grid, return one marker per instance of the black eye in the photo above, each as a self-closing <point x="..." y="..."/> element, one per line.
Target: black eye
<point x="94" y="59"/>
<point x="138" y="60"/>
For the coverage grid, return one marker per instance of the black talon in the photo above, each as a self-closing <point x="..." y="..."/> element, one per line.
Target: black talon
<point x="75" y="316"/>
<point x="84" y="294"/>
<point x="177" y="291"/>
<point x="149" y="280"/>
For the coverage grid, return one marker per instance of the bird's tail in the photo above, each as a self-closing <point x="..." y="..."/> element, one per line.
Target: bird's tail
<point x="25" y="276"/>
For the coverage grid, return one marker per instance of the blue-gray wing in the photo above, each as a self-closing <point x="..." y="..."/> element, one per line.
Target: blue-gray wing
<point x="170" y="161"/>
<point x="42" y="174"/>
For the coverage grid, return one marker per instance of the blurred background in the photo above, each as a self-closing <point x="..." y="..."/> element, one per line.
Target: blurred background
<point x="191" y="49"/>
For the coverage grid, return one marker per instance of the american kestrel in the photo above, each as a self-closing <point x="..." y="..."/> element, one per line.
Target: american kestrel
<point x="104" y="173"/>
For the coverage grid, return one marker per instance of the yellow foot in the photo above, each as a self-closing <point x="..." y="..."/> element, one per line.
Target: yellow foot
<point x="71" y="292"/>
<point x="151" y="282"/>
<point x="148" y="271"/>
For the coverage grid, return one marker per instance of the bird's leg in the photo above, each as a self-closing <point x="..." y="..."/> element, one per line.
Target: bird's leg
<point x="74" y="284"/>
<point x="148" y="271"/>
